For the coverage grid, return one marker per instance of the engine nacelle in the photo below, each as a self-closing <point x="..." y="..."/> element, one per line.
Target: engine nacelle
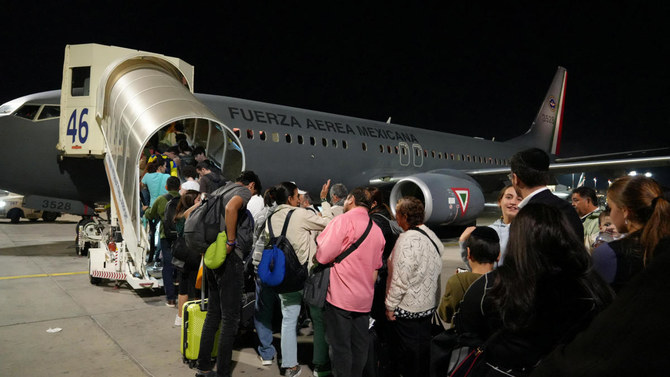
<point x="449" y="196"/>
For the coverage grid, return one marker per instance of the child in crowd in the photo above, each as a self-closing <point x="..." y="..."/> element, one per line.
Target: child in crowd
<point x="483" y="251"/>
<point x="608" y="231"/>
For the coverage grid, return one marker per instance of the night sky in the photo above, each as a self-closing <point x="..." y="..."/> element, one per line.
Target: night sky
<point x="473" y="71"/>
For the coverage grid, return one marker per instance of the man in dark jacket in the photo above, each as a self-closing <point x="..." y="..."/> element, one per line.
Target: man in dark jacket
<point x="530" y="176"/>
<point x="210" y="179"/>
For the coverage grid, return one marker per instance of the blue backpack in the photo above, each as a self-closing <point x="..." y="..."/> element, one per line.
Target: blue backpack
<point x="279" y="266"/>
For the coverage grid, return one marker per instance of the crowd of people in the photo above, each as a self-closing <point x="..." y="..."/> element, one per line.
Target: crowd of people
<point x="540" y="288"/>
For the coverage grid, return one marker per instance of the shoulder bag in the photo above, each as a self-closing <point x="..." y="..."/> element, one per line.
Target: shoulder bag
<point x="316" y="284"/>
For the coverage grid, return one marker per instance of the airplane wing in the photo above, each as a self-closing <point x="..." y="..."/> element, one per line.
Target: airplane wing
<point x="584" y="166"/>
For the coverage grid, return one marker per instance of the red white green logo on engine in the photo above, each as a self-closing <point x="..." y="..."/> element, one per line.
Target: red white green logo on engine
<point x="463" y="196"/>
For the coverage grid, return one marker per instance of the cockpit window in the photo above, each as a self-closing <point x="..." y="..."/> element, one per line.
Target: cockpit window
<point x="49" y="111"/>
<point x="27" y="111"/>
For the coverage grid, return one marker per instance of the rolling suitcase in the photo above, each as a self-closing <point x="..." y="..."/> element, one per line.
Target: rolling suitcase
<point x="193" y="320"/>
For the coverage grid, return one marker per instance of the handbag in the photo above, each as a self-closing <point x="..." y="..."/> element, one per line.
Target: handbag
<point x="181" y="252"/>
<point x="471" y="361"/>
<point x="475" y="360"/>
<point x="216" y="252"/>
<point x="316" y="285"/>
<point x="448" y="349"/>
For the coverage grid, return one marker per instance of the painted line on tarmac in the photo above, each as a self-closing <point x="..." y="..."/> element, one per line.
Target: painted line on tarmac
<point x="42" y="275"/>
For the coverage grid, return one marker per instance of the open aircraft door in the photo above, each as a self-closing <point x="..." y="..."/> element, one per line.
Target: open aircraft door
<point x="137" y="95"/>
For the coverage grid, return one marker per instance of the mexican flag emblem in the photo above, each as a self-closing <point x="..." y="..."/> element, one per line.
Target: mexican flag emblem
<point x="463" y="196"/>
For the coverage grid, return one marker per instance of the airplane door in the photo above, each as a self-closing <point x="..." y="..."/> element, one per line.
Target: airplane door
<point x="417" y="153"/>
<point x="404" y="153"/>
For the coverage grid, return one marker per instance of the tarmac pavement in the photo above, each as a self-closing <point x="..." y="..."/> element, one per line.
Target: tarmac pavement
<point x="53" y="322"/>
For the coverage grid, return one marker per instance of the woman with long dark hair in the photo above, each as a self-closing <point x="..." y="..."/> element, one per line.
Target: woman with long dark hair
<point x="381" y="214"/>
<point x="187" y="271"/>
<point x="301" y="223"/>
<point x="543" y="295"/>
<point x="630" y="337"/>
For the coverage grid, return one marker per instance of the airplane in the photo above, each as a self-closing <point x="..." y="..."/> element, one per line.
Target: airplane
<point x="450" y="173"/>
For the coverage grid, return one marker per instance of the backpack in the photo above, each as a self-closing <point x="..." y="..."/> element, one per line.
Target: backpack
<point x="294" y="273"/>
<point x="169" y="227"/>
<point x="245" y="234"/>
<point x="206" y="222"/>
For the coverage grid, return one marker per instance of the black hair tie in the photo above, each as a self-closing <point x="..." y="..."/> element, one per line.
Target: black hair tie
<point x="654" y="201"/>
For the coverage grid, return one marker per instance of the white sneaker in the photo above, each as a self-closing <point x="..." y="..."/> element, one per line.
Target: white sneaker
<point x="177" y="321"/>
<point x="265" y="362"/>
<point x="293" y="372"/>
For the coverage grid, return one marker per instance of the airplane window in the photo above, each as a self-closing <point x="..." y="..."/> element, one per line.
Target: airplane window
<point x="364" y="146"/>
<point x="261" y="135"/>
<point x="288" y="138"/>
<point x="312" y="141"/>
<point x="397" y="151"/>
<point x="324" y="142"/>
<point x="27" y="111"/>
<point x="80" y="81"/>
<point x="381" y="148"/>
<point x="388" y="149"/>
<point x="334" y="143"/>
<point x="236" y="131"/>
<point x="425" y="153"/>
<point x="49" y="111"/>
<point x="439" y="155"/>
<point x="300" y="139"/>
<point x="344" y="144"/>
<point x="250" y="134"/>
<point x="433" y="153"/>
<point x="451" y="156"/>
<point x="275" y="137"/>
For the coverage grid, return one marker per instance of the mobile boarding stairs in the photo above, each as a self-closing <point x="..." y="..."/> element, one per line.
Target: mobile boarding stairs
<point x="113" y="101"/>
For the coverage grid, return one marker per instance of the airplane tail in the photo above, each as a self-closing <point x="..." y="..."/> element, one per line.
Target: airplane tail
<point x="545" y="132"/>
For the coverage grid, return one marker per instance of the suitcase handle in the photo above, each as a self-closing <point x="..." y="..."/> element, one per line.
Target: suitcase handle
<point x="203" y="288"/>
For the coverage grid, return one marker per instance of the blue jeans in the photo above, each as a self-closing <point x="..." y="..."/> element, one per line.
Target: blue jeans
<point x="224" y="285"/>
<point x="265" y="301"/>
<point x="168" y="270"/>
<point x="290" y="308"/>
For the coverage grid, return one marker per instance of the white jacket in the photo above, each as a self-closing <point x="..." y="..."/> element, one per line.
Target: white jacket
<point x="414" y="272"/>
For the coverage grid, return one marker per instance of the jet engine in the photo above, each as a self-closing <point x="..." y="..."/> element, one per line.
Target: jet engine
<point x="449" y="196"/>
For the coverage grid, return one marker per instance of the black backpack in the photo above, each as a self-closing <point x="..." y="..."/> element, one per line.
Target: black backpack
<point x="245" y="234"/>
<point x="205" y="222"/>
<point x="208" y="220"/>
<point x="169" y="227"/>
